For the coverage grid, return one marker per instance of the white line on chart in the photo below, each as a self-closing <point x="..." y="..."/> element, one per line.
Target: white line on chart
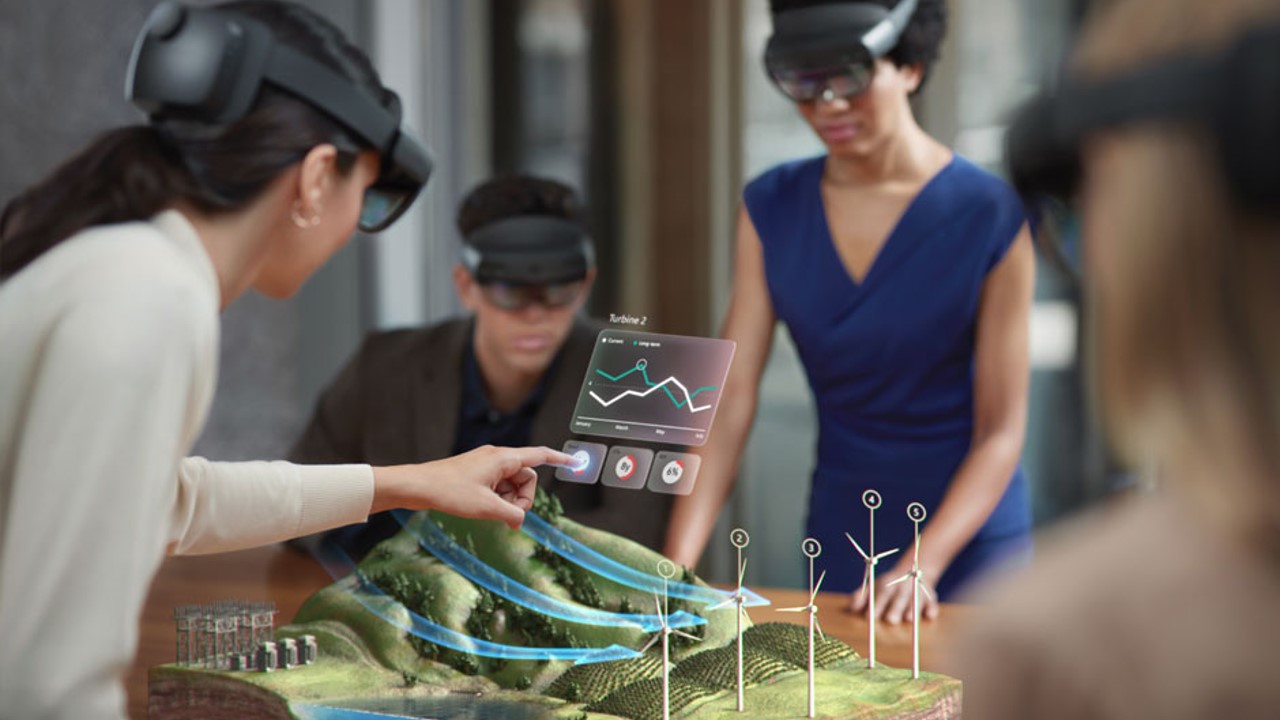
<point x="672" y="379"/>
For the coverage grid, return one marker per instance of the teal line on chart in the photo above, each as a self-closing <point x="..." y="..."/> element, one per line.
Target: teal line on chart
<point x="644" y="373"/>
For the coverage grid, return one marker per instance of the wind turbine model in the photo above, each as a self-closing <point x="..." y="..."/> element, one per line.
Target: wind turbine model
<point x="667" y="570"/>
<point x="871" y="499"/>
<point x="740" y="539"/>
<point x="917" y="513"/>
<point x="811" y="549"/>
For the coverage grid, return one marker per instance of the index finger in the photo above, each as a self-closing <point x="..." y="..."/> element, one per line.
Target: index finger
<point x="535" y="456"/>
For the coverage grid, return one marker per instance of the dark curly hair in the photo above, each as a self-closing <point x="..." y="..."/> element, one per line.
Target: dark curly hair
<point x="919" y="43"/>
<point x="513" y="195"/>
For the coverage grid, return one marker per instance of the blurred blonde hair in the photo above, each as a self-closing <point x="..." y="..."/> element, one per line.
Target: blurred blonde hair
<point x="1188" y="323"/>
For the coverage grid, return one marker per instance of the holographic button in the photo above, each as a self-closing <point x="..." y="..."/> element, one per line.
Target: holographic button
<point x="674" y="473"/>
<point x="590" y="457"/>
<point x="626" y="467"/>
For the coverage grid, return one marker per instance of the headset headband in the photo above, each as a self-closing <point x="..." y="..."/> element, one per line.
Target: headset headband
<point x="529" y="249"/>
<point x="207" y="65"/>
<point x="827" y="26"/>
<point x="1234" y="94"/>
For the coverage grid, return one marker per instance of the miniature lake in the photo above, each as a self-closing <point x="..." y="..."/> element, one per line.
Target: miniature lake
<point x="443" y="707"/>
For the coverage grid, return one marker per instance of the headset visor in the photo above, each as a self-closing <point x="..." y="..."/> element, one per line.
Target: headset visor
<point x="404" y="170"/>
<point x="833" y="80"/>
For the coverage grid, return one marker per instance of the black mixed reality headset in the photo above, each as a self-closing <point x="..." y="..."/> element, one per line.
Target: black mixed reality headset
<point x="529" y="258"/>
<point x="207" y="65"/>
<point x="1235" y="95"/>
<point x="830" y="51"/>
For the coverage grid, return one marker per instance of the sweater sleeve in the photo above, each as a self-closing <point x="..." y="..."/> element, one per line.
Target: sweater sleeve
<point x="231" y="506"/>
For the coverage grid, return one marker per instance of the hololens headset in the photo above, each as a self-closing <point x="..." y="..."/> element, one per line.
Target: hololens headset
<point x="521" y="257"/>
<point x="206" y="65"/>
<point x="830" y="50"/>
<point x="1234" y="94"/>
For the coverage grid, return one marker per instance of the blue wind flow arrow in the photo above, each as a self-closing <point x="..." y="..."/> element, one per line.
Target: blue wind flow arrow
<point x="435" y="540"/>
<point x="339" y="566"/>
<point x="566" y="547"/>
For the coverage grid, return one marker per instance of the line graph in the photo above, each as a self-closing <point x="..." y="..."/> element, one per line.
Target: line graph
<point x="667" y="393"/>
<point x="641" y="367"/>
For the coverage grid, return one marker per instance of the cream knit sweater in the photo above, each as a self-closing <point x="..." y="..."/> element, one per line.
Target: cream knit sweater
<point x="108" y="350"/>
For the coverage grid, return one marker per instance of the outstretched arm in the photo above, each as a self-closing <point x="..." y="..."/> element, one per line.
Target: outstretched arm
<point x="749" y="323"/>
<point x="231" y="506"/>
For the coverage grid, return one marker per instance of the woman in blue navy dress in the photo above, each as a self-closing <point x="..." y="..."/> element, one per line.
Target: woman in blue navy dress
<point x="904" y="274"/>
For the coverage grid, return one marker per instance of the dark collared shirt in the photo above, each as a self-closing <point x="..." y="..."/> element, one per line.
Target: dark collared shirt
<point x="480" y="424"/>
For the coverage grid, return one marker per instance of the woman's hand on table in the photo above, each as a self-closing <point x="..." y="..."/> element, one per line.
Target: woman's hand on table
<point x="893" y="601"/>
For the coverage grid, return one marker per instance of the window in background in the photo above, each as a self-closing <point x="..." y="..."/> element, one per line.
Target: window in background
<point x="552" y="106"/>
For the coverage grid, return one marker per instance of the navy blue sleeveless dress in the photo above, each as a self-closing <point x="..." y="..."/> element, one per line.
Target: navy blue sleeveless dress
<point x="890" y="358"/>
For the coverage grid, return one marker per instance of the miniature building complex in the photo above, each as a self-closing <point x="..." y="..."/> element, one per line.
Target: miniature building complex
<point x="405" y="628"/>
<point x="238" y="636"/>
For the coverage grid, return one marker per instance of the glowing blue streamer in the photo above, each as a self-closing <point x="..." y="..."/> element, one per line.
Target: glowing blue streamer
<point x="339" y="565"/>
<point x="436" y="541"/>
<point x="566" y="547"/>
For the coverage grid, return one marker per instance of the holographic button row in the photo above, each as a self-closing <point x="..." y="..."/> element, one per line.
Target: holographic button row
<point x="630" y="468"/>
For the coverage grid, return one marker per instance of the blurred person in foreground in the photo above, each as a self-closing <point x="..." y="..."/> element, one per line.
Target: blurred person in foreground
<point x="508" y="372"/>
<point x="1162" y="605"/>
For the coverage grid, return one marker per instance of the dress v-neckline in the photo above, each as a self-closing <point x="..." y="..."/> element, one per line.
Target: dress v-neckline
<point x="894" y="232"/>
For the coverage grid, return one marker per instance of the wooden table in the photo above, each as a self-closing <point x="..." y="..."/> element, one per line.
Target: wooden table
<point x="288" y="577"/>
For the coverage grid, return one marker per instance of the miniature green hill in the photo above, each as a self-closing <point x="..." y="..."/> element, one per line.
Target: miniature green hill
<point x="366" y="657"/>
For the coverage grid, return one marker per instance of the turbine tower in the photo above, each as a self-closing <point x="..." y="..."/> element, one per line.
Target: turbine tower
<point x="811" y="549"/>
<point x="871" y="499"/>
<point x="917" y="513"/>
<point x="740" y="539"/>
<point x="667" y="570"/>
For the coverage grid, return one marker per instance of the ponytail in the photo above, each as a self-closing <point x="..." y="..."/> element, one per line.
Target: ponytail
<point x="135" y="172"/>
<point x="126" y="174"/>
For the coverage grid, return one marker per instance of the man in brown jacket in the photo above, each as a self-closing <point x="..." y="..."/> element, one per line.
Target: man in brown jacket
<point x="507" y="374"/>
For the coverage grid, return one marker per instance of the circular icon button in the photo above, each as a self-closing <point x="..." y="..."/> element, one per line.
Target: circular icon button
<point x="584" y="460"/>
<point x="672" y="472"/>
<point x="625" y="468"/>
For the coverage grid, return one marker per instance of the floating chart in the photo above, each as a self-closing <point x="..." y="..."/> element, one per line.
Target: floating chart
<point x="658" y="388"/>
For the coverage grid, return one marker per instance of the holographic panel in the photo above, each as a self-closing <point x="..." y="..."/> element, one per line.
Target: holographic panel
<point x="651" y="387"/>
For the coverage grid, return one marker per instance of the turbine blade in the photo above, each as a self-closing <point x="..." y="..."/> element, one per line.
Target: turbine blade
<point x="865" y="577"/>
<point x="686" y="635"/>
<point x="818" y="626"/>
<point x="745" y="616"/>
<point x="742" y="572"/>
<point x="795" y="609"/>
<point x="925" y="589"/>
<point x="662" y="617"/>
<point x="887" y="553"/>
<point x="725" y="604"/>
<point x="817" y="587"/>
<point x="857" y="547"/>
<point x="908" y="576"/>
<point x="652" y="641"/>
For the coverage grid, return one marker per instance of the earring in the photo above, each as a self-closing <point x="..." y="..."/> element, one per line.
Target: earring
<point x="300" y="221"/>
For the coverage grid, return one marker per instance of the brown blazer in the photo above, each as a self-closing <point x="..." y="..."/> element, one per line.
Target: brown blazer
<point x="397" y="401"/>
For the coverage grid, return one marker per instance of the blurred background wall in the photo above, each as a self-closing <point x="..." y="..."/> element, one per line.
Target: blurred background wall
<point x="658" y="111"/>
